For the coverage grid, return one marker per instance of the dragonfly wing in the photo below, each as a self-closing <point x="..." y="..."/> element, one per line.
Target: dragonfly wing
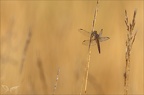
<point x="100" y="33"/>
<point x="84" y="32"/>
<point x="86" y="42"/>
<point x="103" y="39"/>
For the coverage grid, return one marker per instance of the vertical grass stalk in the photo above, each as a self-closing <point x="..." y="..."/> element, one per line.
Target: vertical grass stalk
<point x="129" y="43"/>
<point x="25" y="49"/>
<point x="87" y="70"/>
<point x="89" y="54"/>
<point x="57" y="77"/>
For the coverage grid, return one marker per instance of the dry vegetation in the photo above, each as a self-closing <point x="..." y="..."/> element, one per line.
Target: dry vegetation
<point x="129" y="43"/>
<point x="42" y="51"/>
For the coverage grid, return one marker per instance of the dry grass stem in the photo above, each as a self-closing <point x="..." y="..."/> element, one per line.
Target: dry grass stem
<point x="129" y="42"/>
<point x="89" y="54"/>
<point x="57" y="77"/>
<point x="25" y="49"/>
<point x="87" y="70"/>
<point x="7" y="89"/>
<point x="41" y="73"/>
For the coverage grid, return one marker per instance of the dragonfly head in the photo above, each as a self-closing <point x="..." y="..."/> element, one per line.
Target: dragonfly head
<point x="94" y="34"/>
<point x="95" y="31"/>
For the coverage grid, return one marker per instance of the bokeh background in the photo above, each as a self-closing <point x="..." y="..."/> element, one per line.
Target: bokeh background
<point x="29" y="64"/>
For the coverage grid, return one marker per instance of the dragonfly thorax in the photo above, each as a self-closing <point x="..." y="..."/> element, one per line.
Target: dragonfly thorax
<point x="94" y="35"/>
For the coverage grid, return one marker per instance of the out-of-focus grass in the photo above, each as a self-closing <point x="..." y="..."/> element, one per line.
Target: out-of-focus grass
<point x="56" y="42"/>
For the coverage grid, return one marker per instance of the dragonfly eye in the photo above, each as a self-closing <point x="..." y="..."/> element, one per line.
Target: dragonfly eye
<point x="95" y="32"/>
<point x="92" y="34"/>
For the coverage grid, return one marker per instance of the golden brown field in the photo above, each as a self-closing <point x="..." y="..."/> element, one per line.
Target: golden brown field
<point x="30" y="62"/>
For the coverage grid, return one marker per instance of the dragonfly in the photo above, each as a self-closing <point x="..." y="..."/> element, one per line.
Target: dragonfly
<point x="95" y="38"/>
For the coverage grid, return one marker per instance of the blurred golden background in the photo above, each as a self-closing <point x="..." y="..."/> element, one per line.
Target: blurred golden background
<point x="29" y="64"/>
